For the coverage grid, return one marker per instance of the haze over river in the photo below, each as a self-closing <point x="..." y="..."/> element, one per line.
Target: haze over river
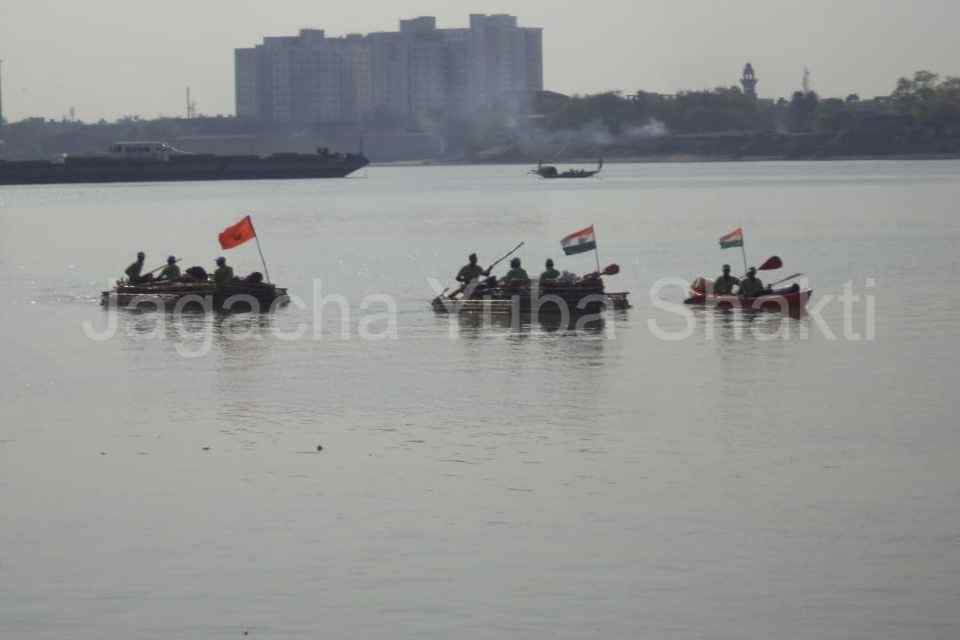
<point x="482" y="480"/>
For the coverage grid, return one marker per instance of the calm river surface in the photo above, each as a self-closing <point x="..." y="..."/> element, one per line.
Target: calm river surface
<point x="760" y="478"/>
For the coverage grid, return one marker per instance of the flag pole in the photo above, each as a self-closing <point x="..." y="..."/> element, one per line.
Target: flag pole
<point x="596" y="248"/>
<point x="744" y="251"/>
<point x="256" y="237"/>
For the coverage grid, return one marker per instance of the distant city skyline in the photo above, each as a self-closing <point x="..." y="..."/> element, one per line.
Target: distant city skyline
<point x="409" y="75"/>
<point x="110" y="58"/>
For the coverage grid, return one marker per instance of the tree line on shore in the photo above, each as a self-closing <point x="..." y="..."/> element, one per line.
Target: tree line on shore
<point x="926" y="100"/>
<point x="921" y="115"/>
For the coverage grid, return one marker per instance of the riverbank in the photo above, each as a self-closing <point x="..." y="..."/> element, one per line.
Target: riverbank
<point x="676" y="159"/>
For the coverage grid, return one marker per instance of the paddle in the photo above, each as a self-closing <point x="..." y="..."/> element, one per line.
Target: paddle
<point x="772" y="264"/>
<point x="464" y="286"/>
<point x="160" y="267"/>
<point x="610" y="270"/>
<point x="515" y="249"/>
<point x="796" y="275"/>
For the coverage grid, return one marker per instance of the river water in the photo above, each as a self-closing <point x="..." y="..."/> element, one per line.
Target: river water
<point x="654" y="475"/>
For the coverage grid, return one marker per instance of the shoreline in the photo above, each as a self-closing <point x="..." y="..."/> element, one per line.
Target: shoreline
<point x="678" y="159"/>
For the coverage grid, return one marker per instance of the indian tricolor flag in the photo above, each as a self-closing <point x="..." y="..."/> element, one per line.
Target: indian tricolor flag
<point x="580" y="242"/>
<point x="732" y="240"/>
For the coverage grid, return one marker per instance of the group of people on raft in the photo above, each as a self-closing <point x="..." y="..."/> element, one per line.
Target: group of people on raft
<point x="222" y="275"/>
<point x="749" y="287"/>
<point x="471" y="275"/>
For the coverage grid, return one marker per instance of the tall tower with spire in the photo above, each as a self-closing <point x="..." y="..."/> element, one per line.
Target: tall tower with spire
<point x="749" y="81"/>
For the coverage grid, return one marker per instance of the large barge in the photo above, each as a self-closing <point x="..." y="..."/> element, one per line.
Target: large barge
<point x="159" y="162"/>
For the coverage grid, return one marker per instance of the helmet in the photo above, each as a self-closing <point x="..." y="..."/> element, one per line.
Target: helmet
<point x="549" y="263"/>
<point x="141" y="255"/>
<point x="221" y="261"/>
<point x="515" y="263"/>
<point x="171" y="259"/>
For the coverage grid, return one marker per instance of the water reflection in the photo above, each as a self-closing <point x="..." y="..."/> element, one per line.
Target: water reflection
<point x="474" y="325"/>
<point x="730" y="327"/>
<point x="234" y="339"/>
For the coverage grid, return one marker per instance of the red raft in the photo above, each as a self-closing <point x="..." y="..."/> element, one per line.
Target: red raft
<point x="792" y="300"/>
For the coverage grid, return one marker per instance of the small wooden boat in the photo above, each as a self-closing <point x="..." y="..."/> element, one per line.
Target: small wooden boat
<point x="792" y="300"/>
<point x="586" y="296"/>
<point x="549" y="172"/>
<point x="238" y="296"/>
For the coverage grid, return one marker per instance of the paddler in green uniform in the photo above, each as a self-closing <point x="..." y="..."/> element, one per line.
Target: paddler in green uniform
<point x="170" y="272"/>
<point x="471" y="272"/>
<point x="224" y="274"/>
<point x="725" y="283"/>
<point x="134" y="270"/>
<point x="517" y="276"/>
<point x="469" y="276"/>
<point x="551" y="275"/>
<point x="751" y="287"/>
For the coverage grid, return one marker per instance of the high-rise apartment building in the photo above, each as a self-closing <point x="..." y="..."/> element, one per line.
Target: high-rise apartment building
<point x="412" y="75"/>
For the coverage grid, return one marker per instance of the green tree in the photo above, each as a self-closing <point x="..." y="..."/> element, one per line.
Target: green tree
<point x="803" y="107"/>
<point x="834" y="114"/>
<point x="927" y="99"/>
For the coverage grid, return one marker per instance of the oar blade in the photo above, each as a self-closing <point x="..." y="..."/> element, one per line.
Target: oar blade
<point x="772" y="264"/>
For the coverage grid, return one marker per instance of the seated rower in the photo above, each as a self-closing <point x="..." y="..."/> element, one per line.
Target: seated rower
<point x="471" y="271"/>
<point x="469" y="276"/>
<point x="725" y="283"/>
<point x="170" y="272"/>
<point x="751" y="286"/>
<point x="517" y="276"/>
<point x="224" y="274"/>
<point x="550" y="276"/>
<point x="134" y="270"/>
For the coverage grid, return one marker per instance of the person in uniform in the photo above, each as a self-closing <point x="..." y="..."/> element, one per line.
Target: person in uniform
<point x="517" y="276"/>
<point x="469" y="276"/>
<point x="551" y="275"/>
<point x="170" y="272"/>
<point x="134" y="270"/>
<point x="751" y="286"/>
<point x="224" y="274"/>
<point x="725" y="283"/>
<point x="471" y="271"/>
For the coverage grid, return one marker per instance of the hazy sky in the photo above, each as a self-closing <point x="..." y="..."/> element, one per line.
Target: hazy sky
<point x="109" y="58"/>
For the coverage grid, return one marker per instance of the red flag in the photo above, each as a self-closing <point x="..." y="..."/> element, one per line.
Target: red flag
<point x="237" y="234"/>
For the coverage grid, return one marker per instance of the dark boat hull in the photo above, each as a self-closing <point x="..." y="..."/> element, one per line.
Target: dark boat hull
<point x="573" y="176"/>
<point x="572" y="301"/>
<point x="549" y="172"/>
<point x="791" y="302"/>
<point x="186" y="168"/>
<point x="240" y="297"/>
